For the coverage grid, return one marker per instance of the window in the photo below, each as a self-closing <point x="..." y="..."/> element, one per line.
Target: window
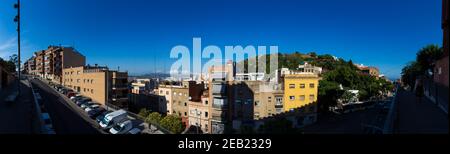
<point x="92" y="90"/>
<point x="269" y="99"/>
<point x="291" y="98"/>
<point x="92" y="80"/>
<point x="206" y="102"/>
<point x="311" y="85"/>
<point x="185" y="113"/>
<point x="291" y="86"/>
<point x="311" y="98"/>
<point x="302" y="85"/>
<point x="167" y="92"/>
<point x="302" y="97"/>
<point x="161" y="92"/>
<point x="206" y="114"/>
<point x="185" y="104"/>
<point x="256" y="103"/>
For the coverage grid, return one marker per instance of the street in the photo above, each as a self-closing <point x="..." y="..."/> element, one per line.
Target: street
<point x="419" y="117"/>
<point x="66" y="118"/>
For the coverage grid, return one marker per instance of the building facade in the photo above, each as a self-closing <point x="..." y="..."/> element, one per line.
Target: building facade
<point x="99" y="83"/>
<point x="143" y="86"/>
<point x="300" y="90"/>
<point x="199" y="114"/>
<point x="221" y="97"/>
<point x="49" y="63"/>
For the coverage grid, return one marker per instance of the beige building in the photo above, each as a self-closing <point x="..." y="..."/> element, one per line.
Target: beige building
<point x="199" y="114"/>
<point x="99" y="83"/>
<point x="268" y="100"/>
<point x="180" y="99"/>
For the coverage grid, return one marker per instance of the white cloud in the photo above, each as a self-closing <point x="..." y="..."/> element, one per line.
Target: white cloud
<point x="7" y="48"/>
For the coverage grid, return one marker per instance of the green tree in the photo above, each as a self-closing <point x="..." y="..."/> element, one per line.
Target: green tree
<point x="8" y="65"/>
<point x="144" y="113"/>
<point x="347" y="97"/>
<point x="427" y="55"/>
<point x="172" y="123"/>
<point x="153" y="117"/>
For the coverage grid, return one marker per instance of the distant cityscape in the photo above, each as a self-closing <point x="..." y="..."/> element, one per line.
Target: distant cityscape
<point x="308" y="93"/>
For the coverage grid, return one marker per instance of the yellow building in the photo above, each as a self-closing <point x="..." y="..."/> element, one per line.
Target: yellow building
<point x="300" y="90"/>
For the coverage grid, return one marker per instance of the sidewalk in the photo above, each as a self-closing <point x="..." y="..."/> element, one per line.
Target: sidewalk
<point x="422" y="117"/>
<point x="20" y="117"/>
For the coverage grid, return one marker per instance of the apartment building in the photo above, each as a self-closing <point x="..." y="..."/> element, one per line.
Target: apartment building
<point x="221" y="95"/>
<point x="39" y="61"/>
<point x="180" y="100"/>
<point x="441" y="66"/>
<point x="369" y="70"/>
<point x="199" y="113"/>
<point x="268" y="100"/>
<point x="143" y="86"/>
<point x="99" y="83"/>
<point x="299" y="90"/>
<point x="50" y="63"/>
<point x="166" y="91"/>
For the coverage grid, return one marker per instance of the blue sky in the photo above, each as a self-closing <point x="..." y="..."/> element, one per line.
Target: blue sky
<point x="137" y="35"/>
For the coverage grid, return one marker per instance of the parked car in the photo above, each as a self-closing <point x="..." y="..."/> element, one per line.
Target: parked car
<point x="92" y="107"/>
<point x="83" y="100"/>
<point x="70" y="94"/>
<point x="88" y="104"/>
<point x="96" y="112"/>
<point x="67" y="91"/>
<point x="113" y="118"/>
<point x="100" y="117"/>
<point x="121" y="127"/>
<point x="134" y="131"/>
<point x="76" y="97"/>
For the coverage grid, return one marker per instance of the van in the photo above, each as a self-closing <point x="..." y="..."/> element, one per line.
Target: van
<point x="113" y="118"/>
<point x="122" y="127"/>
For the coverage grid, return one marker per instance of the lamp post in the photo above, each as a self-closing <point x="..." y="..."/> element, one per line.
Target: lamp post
<point x="17" y="20"/>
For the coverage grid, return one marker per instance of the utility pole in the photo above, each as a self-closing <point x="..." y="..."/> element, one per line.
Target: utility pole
<point x="17" y="19"/>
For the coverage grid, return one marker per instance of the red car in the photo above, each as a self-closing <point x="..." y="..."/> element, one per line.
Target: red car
<point x="70" y="94"/>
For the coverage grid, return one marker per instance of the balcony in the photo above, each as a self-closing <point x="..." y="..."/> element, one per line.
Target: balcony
<point x="220" y="103"/>
<point x="119" y="87"/>
<point x="219" y="118"/>
<point x="278" y="105"/>
<point x="120" y="75"/>
<point x="219" y="89"/>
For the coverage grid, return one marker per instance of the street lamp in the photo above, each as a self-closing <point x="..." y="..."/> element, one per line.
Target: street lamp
<point x="17" y="20"/>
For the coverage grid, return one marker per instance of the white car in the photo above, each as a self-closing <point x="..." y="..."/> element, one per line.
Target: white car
<point x="121" y="127"/>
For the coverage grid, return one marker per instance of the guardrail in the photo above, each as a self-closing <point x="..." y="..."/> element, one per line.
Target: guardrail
<point x="38" y="110"/>
<point x="392" y="115"/>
